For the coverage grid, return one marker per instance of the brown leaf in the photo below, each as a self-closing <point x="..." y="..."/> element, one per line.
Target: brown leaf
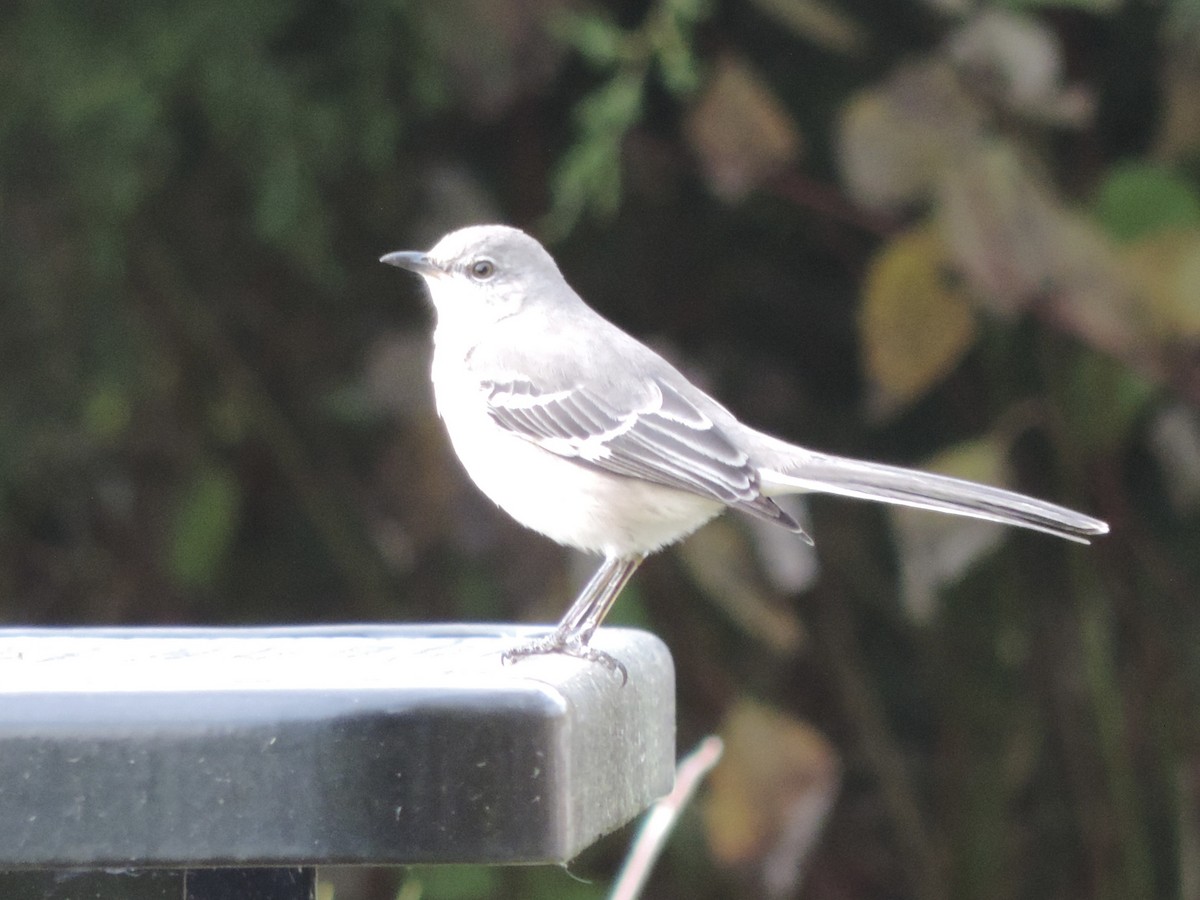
<point x="770" y="794"/>
<point x="937" y="550"/>
<point x="1015" y="242"/>
<point x="1016" y="61"/>
<point x="740" y="132"/>
<point x="999" y="224"/>
<point x="1174" y="439"/>
<point x="721" y="561"/>
<point x="1179" y="117"/>
<point x="894" y="140"/>
<point x="819" y="22"/>
<point x="1091" y="291"/>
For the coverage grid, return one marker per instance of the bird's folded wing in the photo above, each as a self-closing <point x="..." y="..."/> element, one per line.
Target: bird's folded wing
<point x="661" y="438"/>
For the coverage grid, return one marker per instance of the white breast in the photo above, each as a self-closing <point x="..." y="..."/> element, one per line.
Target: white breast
<point x="569" y="502"/>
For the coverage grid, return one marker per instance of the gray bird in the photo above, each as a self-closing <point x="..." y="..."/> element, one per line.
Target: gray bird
<point x="581" y="432"/>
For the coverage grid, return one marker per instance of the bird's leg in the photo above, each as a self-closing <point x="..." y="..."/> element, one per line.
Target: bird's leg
<point x="586" y="621"/>
<point x="584" y="616"/>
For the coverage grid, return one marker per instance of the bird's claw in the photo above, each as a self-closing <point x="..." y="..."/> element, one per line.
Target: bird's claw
<point x="557" y="643"/>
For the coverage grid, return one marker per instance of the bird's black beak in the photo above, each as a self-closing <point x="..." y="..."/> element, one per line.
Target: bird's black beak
<point x="412" y="260"/>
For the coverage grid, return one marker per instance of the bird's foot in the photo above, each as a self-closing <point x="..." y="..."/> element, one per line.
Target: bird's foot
<point x="556" y="642"/>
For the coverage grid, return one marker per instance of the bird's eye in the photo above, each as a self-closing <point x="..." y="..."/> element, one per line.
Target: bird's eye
<point x="483" y="269"/>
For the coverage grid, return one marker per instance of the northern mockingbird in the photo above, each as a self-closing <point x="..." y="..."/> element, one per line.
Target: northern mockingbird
<point x="583" y="433"/>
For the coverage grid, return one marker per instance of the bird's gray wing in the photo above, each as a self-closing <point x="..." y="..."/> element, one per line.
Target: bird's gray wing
<point x="662" y="437"/>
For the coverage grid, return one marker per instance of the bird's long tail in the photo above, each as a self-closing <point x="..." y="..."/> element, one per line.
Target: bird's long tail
<point x="821" y="473"/>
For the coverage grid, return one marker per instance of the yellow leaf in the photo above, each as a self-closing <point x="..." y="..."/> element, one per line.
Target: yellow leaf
<point x="1166" y="270"/>
<point x="915" y="324"/>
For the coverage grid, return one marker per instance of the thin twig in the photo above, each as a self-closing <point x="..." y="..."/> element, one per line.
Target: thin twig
<point x="652" y="836"/>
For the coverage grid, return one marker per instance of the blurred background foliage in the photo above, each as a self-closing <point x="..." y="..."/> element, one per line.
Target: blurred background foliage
<point x="958" y="235"/>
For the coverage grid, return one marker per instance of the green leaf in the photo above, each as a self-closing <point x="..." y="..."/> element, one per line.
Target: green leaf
<point x="589" y="176"/>
<point x="1138" y="199"/>
<point x="1100" y="400"/>
<point x="203" y="527"/>
<point x="107" y="411"/>
<point x="688" y="12"/>
<point x="679" y="68"/>
<point x="598" y="40"/>
<point x="452" y="882"/>
<point x="614" y="106"/>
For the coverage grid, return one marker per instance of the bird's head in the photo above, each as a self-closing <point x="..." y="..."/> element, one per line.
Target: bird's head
<point x="482" y="273"/>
